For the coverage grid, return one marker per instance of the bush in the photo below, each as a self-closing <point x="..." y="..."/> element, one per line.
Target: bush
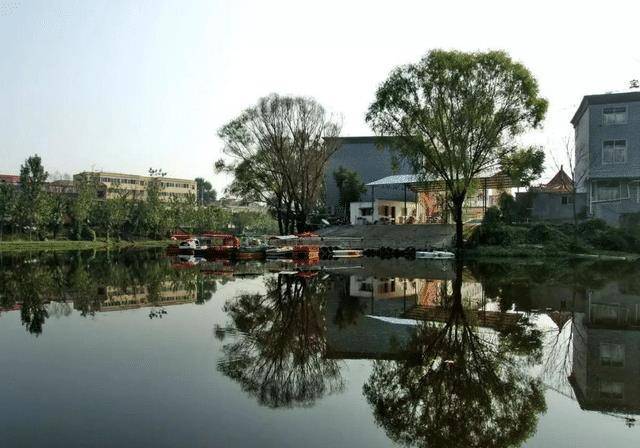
<point x="547" y="234"/>
<point x="497" y="235"/>
<point x="88" y="234"/>
<point x="492" y="217"/>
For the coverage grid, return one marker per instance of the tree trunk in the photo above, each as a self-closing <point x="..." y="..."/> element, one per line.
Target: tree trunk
<point x="457" y="216"/>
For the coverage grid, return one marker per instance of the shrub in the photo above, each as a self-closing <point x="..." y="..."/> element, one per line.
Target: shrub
<point x="497" y="235"/>
<point x="547" y="234"/>
<point x="492" y="217"/>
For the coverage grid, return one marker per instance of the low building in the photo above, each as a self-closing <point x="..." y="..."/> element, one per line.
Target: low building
<point x="135" y="187"/>
<point x="424" y="202"/>
<point x="10" y="179"/>
<point x="554" y="201"/>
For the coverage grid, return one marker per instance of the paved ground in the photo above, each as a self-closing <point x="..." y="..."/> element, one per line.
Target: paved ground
<point x="419" y="236"/>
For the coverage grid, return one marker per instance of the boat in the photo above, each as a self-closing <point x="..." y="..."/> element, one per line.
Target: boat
<point x="347" y="253"/>
<point x="435" y="254"/>
<point x="190" y="246"/>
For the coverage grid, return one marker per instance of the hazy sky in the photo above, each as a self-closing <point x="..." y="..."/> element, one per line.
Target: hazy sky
<point x="127" y="85"/>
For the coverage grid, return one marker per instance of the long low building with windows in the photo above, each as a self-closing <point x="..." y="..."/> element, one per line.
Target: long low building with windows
<point x="135" y="187"/>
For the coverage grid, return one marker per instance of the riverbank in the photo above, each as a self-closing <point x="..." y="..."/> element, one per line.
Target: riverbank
<point x="62" y="245"/>
<point x="542" y="252"/>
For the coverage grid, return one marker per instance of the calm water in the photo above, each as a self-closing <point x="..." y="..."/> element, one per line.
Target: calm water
<point x="139" y="349"/>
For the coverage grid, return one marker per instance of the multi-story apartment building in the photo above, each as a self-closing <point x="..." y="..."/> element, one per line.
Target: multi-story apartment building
<point x="136" y="186"/>
<point x="607" y="154"/>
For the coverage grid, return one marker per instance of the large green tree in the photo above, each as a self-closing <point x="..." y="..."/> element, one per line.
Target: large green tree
<point x="455" y="115"/>
<point x="280" y="148"/>
<point x="7" y="205"/>
<point x="32" y="201"/>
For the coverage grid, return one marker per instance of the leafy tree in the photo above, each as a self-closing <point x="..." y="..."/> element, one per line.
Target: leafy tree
<point x="350" y="187"/>
<point x="32" y="202"/>
<point x="7" y="205"/>
<point x="454" y="114"/>
<point x="205" y="192"/>
<point x="82" y="206"/>
<point x="57" y="211"/>
<point x="280" y="149"/>
<point x="523" y="165"/>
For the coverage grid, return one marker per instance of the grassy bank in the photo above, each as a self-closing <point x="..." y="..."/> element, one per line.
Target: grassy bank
<point x="62" y="245"/>
<point x="591" y="239"/>
<point x="540" y="252"/>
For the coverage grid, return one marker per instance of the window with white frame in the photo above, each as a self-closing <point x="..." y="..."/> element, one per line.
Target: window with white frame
<point x="614" y="151"/>
<point x="614" y="115"/>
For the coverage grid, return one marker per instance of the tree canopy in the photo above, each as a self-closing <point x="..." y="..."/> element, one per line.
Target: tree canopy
<point x="454" y="115"/>
<point x="280" y="148"/>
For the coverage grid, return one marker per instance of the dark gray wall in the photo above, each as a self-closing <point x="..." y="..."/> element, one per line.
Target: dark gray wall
<point x="365" y="157"/>
<point x="549" y="206"/>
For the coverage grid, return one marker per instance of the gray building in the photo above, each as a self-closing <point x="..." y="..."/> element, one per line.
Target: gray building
<point x="607" y="164"/>
<point x="372" y="158"/>
<point x="554" y="201"/>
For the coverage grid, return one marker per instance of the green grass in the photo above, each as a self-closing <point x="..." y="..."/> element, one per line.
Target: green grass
<point x="62" y="245"/>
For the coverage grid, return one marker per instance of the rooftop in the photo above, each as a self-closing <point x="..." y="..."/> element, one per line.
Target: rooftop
<point x="605" y="98"/>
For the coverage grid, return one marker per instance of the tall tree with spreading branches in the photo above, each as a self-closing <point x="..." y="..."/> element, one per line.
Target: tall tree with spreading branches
<point x="280" y="149"/>
<point x="454" y="115"/>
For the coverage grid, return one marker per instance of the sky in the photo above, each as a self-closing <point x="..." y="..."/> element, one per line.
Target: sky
<point x="122" y="85"/>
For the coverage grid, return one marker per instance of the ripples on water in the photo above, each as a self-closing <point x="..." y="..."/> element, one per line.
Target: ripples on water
<point x="140" y="349"/>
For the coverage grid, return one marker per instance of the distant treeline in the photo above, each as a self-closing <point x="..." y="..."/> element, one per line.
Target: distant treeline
<point x="32" y="210"/>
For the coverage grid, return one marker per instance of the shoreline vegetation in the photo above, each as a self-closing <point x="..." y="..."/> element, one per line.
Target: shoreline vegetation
<point x="72" y="245"/>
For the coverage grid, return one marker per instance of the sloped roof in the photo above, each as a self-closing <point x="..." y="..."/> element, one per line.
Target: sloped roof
<point x="561" y="182"/>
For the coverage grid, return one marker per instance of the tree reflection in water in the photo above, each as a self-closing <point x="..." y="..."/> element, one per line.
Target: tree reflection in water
<point x="279" y="342"/>
<point x="459" y="385"/>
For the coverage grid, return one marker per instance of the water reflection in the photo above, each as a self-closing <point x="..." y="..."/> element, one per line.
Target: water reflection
<point x="463" y="381"/>
<point x="89" y="283"/>
<point x="278" y="342"/>
<point x="455" y="355"/>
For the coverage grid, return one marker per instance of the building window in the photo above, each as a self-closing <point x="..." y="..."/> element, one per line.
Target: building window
<point x="614" y="115"/>
<point x="614" y="151"/>
<point x="611" y="390"/>
<point x="610" y="191"/>
<point x="366" y="211"/>
<point x="567" y="200"/>
<point x="611" y="355"/>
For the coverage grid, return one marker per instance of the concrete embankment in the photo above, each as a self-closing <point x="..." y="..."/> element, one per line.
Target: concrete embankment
<point x="418" y="236"/>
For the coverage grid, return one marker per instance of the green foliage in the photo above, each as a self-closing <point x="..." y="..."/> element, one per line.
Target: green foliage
<point x="523" y="165"/>
<point x="350" y="187"/>
<point x="205" y="194"/>
<point x="492" y="216"/>
<point x="280" y="148"/>
<point x="8" y="197"/>
<point x="32" y="203"/>
<point x="452" y="115"/>
<point x="547" y="234"/>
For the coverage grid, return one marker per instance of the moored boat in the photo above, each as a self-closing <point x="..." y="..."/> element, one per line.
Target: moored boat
<point x="279" y="252"/>
<point x="347" y="253"/>
<point x="436" y="254"/>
